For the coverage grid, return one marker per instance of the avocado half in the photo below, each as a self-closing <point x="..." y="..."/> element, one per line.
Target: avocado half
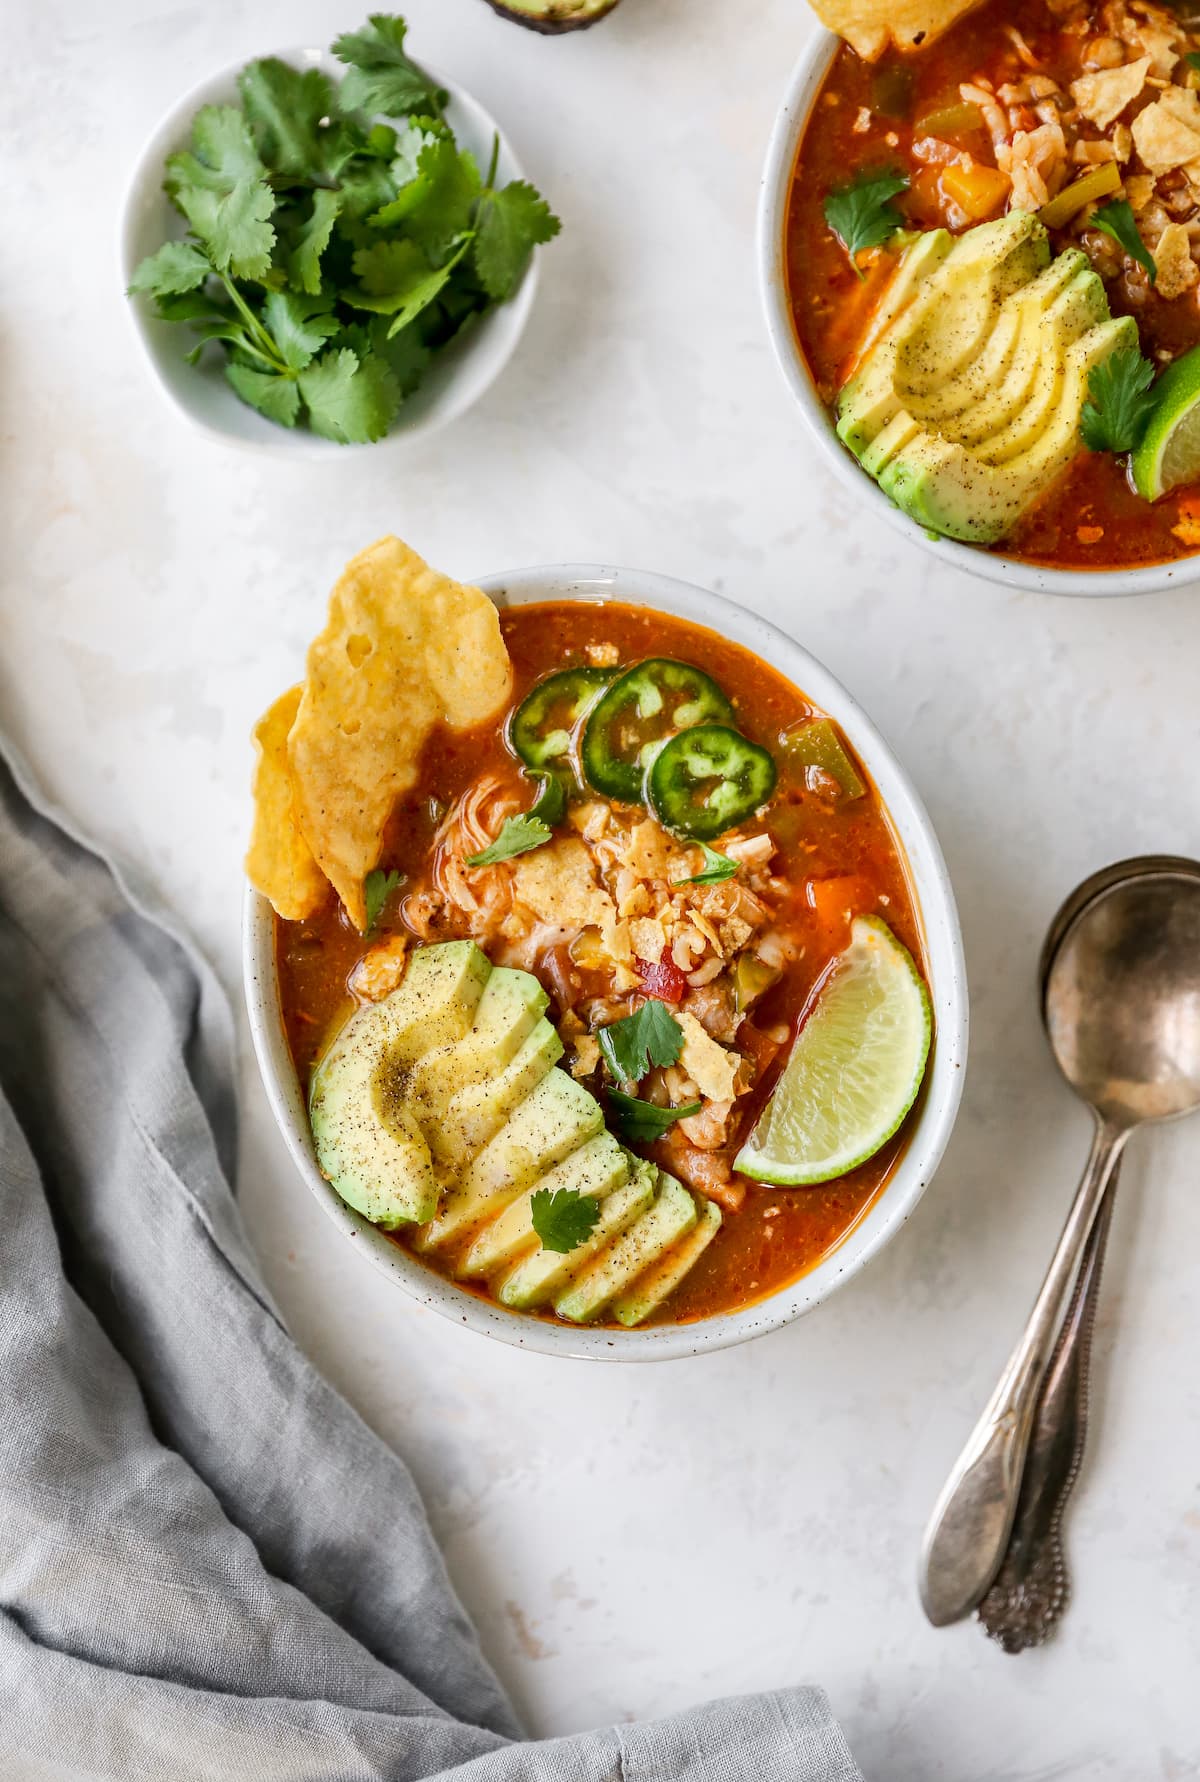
<point x="552" y="17"/>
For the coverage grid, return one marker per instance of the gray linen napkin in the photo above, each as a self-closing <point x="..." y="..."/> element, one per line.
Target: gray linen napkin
<point x="192" y="1583"/>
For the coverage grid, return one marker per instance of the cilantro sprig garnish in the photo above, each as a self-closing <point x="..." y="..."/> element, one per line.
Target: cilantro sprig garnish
<point x="330" y="256"/>
<point x="517" y="836"/>
<point x="641" y="1122"/>
<point x="717" y="868"/>
<point x="1117" y="219"/>
<point x="562" y="1218"/>
<point x="862" y="215"/>
<point x="377" y="888"/>
<point x="1119" y="404"/>
<point x="651" y="1035"/>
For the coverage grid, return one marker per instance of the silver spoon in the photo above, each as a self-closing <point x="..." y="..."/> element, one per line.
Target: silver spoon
<point x="1122" y="1010"/>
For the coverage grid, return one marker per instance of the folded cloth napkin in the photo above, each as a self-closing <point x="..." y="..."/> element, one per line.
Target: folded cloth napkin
<point x="209" y="1566"/>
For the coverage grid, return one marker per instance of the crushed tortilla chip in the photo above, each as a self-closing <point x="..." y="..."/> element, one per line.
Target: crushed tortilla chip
<point x="1139" y="189"/>
<point x="404" y="649"/>
<point x="280" y="863"/>
<point x="707" y="1063"/>
<point x="1102" y="97"/>
<point x="1167" y="133"/>
<point x="1177" y="271"/>
<point x="558" y="883"/>
<point x="870" y="26"/>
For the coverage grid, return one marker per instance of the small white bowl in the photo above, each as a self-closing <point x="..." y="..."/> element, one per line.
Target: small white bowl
<point x="802" y="91"/>
<point x="457" y="377"/>
<point x="936" y="1109"/>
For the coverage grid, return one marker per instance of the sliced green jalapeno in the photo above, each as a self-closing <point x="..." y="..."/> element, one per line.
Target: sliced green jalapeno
<point x="651" y="701"/>
<point x="542" y="728"/>
<point x="707" y="780"/>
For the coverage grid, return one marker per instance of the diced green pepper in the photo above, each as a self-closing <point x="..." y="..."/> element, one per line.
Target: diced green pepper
<point x="949" y="120"/>
<point x="891" y="91"/>
<point x="632" y="720"/>
<point x="751" y="977"/>
<point x="817" y="744"/>
<point x="1099" y="182"/>
<point x="707" y="780"/>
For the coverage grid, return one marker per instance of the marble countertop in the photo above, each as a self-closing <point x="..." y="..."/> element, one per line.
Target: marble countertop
<point x="632" y="1539"/>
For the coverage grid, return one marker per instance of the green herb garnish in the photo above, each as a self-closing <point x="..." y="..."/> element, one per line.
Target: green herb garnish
<point x="329" y="256"/>
<point x="377" y="888"/>
<point x="862" y="215"/>
<point x="642" y="1122"/>
<point x="717" y="867"/>
<point x="563" y="1219"/>
<point x="517" y="836"/>
<point x="1192" y="58"/>
<point x="651" y="1035"/>
<point x="1116" y="219"/>
<point x="1119" y="403"/>
<point x="550" y="806"/>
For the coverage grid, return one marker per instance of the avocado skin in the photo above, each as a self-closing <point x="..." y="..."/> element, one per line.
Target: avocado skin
<point x="954" y="452"/>
<point x="572" y="15"/>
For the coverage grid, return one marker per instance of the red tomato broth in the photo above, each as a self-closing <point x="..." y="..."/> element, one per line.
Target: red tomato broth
<point x="1092" y="518"/>
<point x="778" y="1234"/>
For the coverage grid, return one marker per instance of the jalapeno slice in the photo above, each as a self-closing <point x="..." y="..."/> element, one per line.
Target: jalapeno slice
<point x="651" y="702"/>
<point x="707" y="780"/>
<point x="542" y="729"/>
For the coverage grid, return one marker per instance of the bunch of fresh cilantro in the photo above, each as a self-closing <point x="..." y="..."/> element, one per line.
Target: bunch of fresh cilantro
<point x="330" y="254"/>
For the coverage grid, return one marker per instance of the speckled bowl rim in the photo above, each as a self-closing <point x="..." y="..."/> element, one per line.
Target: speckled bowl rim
<point x="802" y="90"/>
<point x="938" y="916"/>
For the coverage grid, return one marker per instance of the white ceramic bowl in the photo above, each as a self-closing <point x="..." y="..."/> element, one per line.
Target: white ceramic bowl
<point x="803" y="87"/>
<point x="943" y="951"/>
<point x="457" y="377"/>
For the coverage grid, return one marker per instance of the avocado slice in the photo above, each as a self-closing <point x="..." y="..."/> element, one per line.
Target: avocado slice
<point x="505" y="1015"/>
<point x="654" y="1283"/>
<point x="966" y="402"/>
<point x="553" y="1119"/>
<point x="537" y="1278"/>
<point x="671" y="1216"/>
<point x="475" y="1114"/>
<point x="369" y="1145"/>
<point x="552" y="17"/>
<point x="596" y="1168"/>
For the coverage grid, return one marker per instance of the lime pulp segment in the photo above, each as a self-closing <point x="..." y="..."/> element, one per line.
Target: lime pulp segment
<point x="854" y="1070"/>
<point x="1169" y="454"/>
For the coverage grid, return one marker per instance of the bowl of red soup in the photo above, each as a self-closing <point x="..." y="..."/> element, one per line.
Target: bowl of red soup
<point x="981" y="269"/>
<point x="620" y="1010"/>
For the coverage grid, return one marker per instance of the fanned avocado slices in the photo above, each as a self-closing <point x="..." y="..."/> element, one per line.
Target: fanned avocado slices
<point x="552" y="17"/>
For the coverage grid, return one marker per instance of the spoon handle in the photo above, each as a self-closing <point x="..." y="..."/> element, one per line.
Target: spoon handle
<point x="972" y="1519"/>
<point x="1031" y="1589"/>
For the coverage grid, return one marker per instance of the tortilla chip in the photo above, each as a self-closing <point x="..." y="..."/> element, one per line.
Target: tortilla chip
<point x="1167" y="133"/>
<point x="869" y="26"/>
<point x="404" y="649"/>
<point x="1103" y="97"/>
<point x="558" y="883"/>
<point x="280" y="862"/>
<point x="1177" y="271"/>
<point x="708" y="1064"/>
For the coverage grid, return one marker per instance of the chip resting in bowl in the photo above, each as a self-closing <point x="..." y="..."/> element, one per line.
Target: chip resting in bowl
<point x="872" y="26"/>
<point x="404" y="649"/>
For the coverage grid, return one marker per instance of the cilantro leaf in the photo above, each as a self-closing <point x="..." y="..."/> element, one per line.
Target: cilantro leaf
<point x="285" y="108"/>
<point x="415" y="284"/>
<point x="1192" y="58"/>
<point x="563" y="1219"/>
<point x="382" y="76"/>
<point x="517" y="836"/>
<point x="409" y="144"/>
<point x="272" y="394"/>
<point x="377" y="888"/>
<point x="437" y="205"/>
<point x="304" y="261"/>
<point x="1116" y="219"/>
<point x="1119" y="403"/>
<point x="641" y="1122"/>
<point x="351" y="397"/>
<point x="510" y="224"/>
<point x="299" y="326"/>
<point x="861" y="214"/>
<point x="178" y="266"/>
<point x="651" y="1035"/>
<point x="550" y="805"/>
<point x="222" y="153"/>
<point x="716" y="868"/>
<point x="235" y="225"/>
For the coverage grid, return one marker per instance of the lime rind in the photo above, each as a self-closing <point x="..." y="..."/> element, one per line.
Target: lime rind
<point x="854" y="1069"/>
<point x="1169" y="454"/>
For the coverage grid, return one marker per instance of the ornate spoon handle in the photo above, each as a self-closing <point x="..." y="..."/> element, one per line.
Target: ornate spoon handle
<point x="1033" y="1587"/>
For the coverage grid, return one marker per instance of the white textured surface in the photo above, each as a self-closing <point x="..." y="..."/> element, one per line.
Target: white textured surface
<point x="632" y="1540"/>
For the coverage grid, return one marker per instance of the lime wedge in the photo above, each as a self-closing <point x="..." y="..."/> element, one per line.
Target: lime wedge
<point x="854" y="1069"/>
<point x="1170" y="450"/>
